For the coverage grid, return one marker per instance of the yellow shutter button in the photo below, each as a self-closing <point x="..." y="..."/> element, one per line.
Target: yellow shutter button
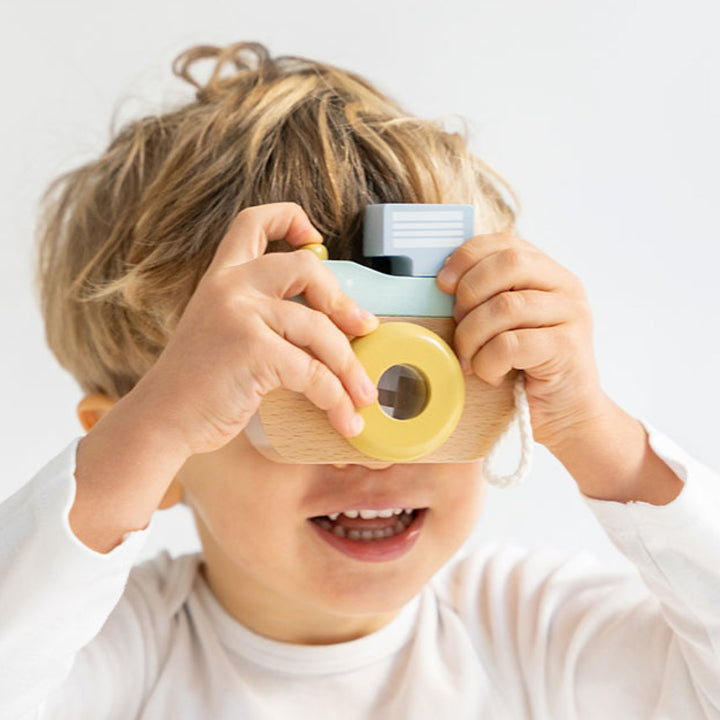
<point x="421" y="392"/>
<point x="317" y="248"/>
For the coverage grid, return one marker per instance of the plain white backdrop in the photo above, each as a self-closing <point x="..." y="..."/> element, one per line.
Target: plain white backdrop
<point x="603" y="115"/>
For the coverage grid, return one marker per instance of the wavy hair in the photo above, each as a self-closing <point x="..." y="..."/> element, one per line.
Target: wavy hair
<point x="123" y="240"/>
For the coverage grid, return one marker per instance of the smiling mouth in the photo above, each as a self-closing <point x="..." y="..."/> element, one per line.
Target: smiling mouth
<point x="367" y="525"/>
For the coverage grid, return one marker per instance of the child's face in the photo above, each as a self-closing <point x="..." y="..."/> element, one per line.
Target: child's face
<point x="284" y="576"/>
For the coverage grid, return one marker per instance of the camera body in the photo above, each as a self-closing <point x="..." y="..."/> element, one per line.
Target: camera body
<point x="427" y="410"/>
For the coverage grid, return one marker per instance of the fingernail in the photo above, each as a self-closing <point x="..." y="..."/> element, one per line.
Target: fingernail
<point x="356" y="425"/>
<point x="447" y="276"/>
<point x="465" y="366"/>
<point x="363" y="314"/>
<point x="368" y="388"/>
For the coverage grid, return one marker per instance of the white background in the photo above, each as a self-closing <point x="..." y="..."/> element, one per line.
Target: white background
<point x="603" y="116"/>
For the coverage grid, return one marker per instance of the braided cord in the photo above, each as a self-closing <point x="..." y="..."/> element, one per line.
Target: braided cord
<point x="522" y="419"/>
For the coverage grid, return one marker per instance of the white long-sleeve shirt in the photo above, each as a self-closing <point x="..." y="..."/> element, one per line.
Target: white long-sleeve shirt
<point x="506" y="633"/>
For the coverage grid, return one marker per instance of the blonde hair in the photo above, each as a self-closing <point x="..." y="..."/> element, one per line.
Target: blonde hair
<point x="124" y="239"/>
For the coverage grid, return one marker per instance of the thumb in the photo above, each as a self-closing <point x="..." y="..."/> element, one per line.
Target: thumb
<point x="252" y="229"/>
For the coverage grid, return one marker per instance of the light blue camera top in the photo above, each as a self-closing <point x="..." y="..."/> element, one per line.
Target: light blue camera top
<point x="416" y="238"/>
<point x="383" y="294"/>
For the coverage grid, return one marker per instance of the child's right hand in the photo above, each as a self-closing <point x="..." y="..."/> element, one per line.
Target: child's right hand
<point x="240" y="337"/>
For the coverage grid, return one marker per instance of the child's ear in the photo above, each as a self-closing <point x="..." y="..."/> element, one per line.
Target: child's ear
<point x="91" y="409"/>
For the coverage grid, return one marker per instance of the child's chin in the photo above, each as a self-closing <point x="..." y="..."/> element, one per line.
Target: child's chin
<point x="372" y="597"/>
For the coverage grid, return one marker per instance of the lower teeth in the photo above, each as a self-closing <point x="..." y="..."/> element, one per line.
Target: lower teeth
<point x="401" y="524"/>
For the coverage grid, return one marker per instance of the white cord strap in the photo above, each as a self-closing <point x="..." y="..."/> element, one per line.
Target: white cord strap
<point x="522" y="419"/>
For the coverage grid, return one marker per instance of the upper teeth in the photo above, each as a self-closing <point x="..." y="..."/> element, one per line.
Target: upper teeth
<point x="370" y="514"/>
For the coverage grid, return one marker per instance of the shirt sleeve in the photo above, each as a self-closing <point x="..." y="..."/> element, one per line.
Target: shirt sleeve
<point x="55" y="592"/>
<point x="676" y="549"/>
<point x="564" y="638"/>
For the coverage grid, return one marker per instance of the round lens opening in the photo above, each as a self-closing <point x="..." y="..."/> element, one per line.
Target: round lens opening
<point x="403" y="392"/>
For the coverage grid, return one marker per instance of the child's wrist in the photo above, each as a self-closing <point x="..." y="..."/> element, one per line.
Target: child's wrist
<point x="155" y="412"/>
<point x="611" y="459"/>
<point x="124" y="465"/>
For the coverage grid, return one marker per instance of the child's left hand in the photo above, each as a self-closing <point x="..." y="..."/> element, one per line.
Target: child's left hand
<point x="517" y="308"/>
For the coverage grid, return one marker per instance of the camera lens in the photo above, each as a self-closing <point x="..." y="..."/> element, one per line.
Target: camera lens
<point x="403" y="392"/>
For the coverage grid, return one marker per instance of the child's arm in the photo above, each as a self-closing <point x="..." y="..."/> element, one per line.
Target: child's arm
<point x="68" y="546"/>
<point x="55" y="593"/>
<point x="237" y="340"/>
<point x="589" y="644"/>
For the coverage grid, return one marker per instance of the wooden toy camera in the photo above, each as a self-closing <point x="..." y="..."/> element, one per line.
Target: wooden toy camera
<point x="427" y="410"/>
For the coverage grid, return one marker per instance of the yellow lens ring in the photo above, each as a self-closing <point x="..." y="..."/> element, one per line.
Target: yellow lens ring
<point x="402" y="343"/>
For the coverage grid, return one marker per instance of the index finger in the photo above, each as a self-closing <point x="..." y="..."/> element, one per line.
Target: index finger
<point x="252" y="229"/>
<point x="471" y="252"/>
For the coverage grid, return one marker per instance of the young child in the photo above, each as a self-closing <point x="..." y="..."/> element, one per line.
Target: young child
<point x="160" y="297"/>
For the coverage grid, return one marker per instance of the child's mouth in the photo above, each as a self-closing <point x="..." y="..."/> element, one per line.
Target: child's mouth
<point x="371" y="535"/>
<point x="367" y="524"/>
